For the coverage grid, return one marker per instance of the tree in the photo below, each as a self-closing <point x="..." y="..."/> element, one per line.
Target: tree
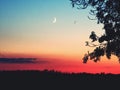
<point x="107" y="12"/>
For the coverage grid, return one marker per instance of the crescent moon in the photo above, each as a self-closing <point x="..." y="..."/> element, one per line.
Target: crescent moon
<point x="54" y="20"/>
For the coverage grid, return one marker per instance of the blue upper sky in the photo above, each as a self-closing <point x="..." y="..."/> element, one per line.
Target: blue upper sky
<point x="27" y="24"/>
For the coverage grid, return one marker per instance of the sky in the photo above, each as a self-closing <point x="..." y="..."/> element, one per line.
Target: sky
<point x="52" y="31"/>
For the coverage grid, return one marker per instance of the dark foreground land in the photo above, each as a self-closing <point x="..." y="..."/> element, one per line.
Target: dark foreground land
<point x="51" y="80"/>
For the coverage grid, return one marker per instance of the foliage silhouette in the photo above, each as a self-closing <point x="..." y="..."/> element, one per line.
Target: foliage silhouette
<point x="107" y="12"/>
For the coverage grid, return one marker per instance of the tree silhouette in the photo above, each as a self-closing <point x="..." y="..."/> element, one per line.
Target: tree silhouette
<point x="106" y="12"/>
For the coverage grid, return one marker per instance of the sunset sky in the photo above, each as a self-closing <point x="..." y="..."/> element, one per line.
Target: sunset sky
<point x="52" y="31"/>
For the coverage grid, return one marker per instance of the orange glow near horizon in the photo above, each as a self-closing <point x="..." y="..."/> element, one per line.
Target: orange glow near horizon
<point x="65" y="64"/>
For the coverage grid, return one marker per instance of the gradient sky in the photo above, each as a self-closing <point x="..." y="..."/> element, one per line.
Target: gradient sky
<point x="27" y="30"/>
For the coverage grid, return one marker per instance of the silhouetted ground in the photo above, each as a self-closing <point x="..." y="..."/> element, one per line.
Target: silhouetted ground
<point x="51" y="80"/>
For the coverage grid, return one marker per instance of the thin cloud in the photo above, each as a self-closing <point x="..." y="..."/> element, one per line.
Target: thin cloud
<point x="21" y="60"/>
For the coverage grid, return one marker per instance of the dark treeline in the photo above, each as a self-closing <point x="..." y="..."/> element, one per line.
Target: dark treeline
<point x="44" y="80"/>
